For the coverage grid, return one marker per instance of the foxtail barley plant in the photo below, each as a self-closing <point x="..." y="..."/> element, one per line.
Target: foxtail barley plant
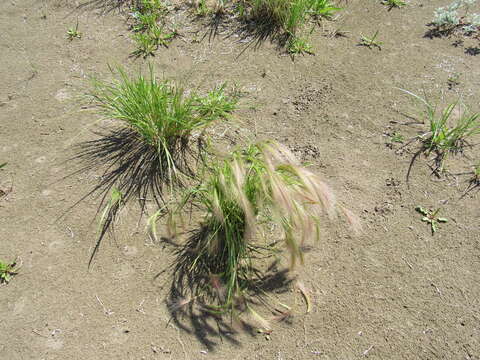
<point x="243" y="197"/>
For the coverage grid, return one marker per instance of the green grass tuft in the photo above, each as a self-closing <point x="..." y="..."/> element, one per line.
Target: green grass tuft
<point x="158" y="140"/>
<point x="446" y="135"/>
<point x="280" y="20"/>
<point x="290" y="15"/>
<point x="149" y="27"/>
<point x="449" y="131"/>
<point x="161" y="113"/>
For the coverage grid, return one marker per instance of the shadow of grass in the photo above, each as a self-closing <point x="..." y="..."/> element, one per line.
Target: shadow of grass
<point x="106" y="6"/>
<point x="472" y="50"/>
<point x="135" y="169"/>
<point x="252" y="32"/>
<point x="436" y="33"/>
<point x="473" y="186"/>
<point x="195" y="301"/>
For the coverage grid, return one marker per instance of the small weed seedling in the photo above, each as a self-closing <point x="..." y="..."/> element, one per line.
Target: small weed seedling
<point x="430" y="216"/>
<point x="297" y="46"/>
<point x="7" y="271"/>
<point x="4" y="192"/>
<point x="394" y="4"/>
<point x="476" y="174"/>
<point x="474" y="181"/>
<point x="73" y="33"/>
<point x="453" y="81"/>
<point x="397" y="138"/>
<point x="149" y="27"/>
<point x="371" y="42"/>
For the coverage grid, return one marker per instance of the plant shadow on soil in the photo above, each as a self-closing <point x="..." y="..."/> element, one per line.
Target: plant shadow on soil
<point x="134" y="169"/>
<point x="251" y="32"/>
<point x="130" y="166"/>
<point x="192" y="296"/>
<point x="105" y="5"/>
<point x="436" y="33"/>
<point x="472" y="50"/>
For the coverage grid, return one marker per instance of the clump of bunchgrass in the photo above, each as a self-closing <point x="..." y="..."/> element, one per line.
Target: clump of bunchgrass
<point x="448" y="133"/>
<point x="150" y="28"/>
<point x="280" y="20"/>
<point x="162" y="115"/>
<point x="290" y="15"/>
<point x="255" y="192"/>
<point x="158" y="138"/>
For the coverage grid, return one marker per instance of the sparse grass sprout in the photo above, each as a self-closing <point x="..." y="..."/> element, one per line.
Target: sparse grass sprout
<point x="8" y="270"/>
<point x="371" y="42"/>
<point x="73" y="33"/>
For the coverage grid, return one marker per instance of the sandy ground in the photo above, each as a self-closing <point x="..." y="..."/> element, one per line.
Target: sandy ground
<point x="396" y="292"/>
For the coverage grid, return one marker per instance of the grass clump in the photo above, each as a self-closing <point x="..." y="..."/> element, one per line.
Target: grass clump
<point x="256" y="191"/>
<point x="162" y="115"/>
<point x="448" y="133"/>
<point x="158" y="139"/>
<point x="284" y="21"/>
<point x="149" y="26"/>
<point x="290" y="16"/>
